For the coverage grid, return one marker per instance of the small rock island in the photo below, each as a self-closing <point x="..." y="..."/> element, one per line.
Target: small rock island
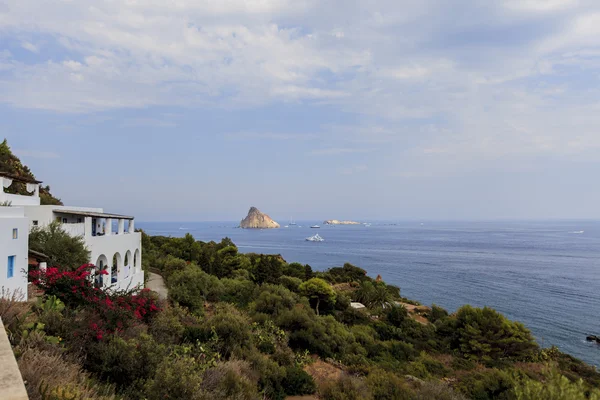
<point x="257" y="220"/>
<point x="337" y="222"/>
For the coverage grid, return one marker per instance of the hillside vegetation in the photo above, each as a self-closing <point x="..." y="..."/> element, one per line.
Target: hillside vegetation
<point x="253" y="326"/>
<point x="10" y="164"/>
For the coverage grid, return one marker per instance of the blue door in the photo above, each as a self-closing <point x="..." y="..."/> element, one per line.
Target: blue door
<point x="11" y="266"/>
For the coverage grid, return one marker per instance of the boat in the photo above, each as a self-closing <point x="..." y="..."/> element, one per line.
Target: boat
<point x="315" y="226"/>
<point x="292" y="221"/>
<point x="315" y="238"/>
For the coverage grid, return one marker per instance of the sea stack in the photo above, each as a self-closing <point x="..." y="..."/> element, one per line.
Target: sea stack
<point x="257" y="220"/>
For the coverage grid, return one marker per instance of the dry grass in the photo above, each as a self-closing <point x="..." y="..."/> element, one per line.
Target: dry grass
<point x="13" y="311"/>
<point x="323" y="372"/>
<point x="50" y="371"/>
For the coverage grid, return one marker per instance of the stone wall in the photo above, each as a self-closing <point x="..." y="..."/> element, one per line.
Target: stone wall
<point x="11" y="382"/>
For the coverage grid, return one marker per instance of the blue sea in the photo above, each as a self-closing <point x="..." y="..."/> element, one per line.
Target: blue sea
<point x="544" y="274"/>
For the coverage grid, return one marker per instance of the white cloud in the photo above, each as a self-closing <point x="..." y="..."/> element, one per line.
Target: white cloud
<point x="30" y="46"/>
<point x="337" y="151"/>
<point x="398" y="67"/>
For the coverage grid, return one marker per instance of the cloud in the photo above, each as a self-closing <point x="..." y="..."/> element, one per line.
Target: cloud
<point x="268" y="136"/>
<point x="25" y="153"/>
<point x="353" y="170"/>
<point x="30" y="46"/>
<point x="512" y="78"/>
<point x="337" y="151"/>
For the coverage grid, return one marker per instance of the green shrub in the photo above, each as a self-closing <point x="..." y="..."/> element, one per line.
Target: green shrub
<point x="192" y="287"/>
<point x="298" y="382"/>
<point x="388" y="386"/>
<point x="396" y="316"/>
<point x="437" y="313"/>
<point x="126" y="363"/>
<point x="172" y="265"/>
<point x="273" y="300"/>
<point x="485" y="334"/>
<point x="290" y="282"/>
<point x="345" y="388"/>
<point x="426" y="367"/>
<point x="63" y="250"/>
<point x="237" y="291"/>
<point x="554" y="387"/>
<point x="166" y="327"/>
<point x="176" y="378"/>
<point x="491" y="384"/>
<point x="232" y="329"/>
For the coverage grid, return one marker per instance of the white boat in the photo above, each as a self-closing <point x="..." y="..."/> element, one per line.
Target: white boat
<point x="292" y="221"/>
<point x="315" y="226"/>
<point x="315" y="238"/>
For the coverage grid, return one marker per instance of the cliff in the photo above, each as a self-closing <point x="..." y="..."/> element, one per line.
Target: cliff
<point x="336" y="222"/>
<point x="257" y="220"/>
<point x="10" y="164"/>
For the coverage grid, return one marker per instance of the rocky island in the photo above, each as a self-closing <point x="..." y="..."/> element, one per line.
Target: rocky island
<point x="337" y="222"/>
<point x="257" y="220"/>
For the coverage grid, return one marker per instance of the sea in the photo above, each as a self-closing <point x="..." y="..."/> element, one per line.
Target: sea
<point x="545" y="274"/>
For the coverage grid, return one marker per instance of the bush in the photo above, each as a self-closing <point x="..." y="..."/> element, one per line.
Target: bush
<point x="232" y="329"/>
<point x="192" y="287"/>
<point x="298" y="382"/>
<point x="176" y="378"/>
<point x="426" y="367"/>
<point x="485" y="334"/>
<point x="273" y="300"/>
<point x="437" y="313"/>
<point x="437" y="391"/>
<point x="554" y="387"/>
<point x="345" y="388"/>
<point x="491" y="384"/>
<point x="237" y="291"/>
<point x="388" y="386"/>
<point x="167" y="327"/>
<point x="232" y="380"/>
<point x="171" y="265"/>
<point x="290" y="282"/>
<point x="396" y="315"/>
<point x="126" y="363"/>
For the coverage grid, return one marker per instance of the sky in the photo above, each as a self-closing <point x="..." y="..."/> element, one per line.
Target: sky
<point x="187" y="110"/>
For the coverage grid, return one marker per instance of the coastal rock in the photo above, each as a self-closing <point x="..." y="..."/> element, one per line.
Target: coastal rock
<point x="257" y="220"/>
<point x="338" y="222"/>
<point x="593" y="338"/>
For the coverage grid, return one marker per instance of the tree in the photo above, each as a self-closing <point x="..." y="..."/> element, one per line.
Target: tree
<point x="373" y="294"/>
<point x="319" y="290"/>
<point x="63" y="250"/>
<point x="485" y="334"/>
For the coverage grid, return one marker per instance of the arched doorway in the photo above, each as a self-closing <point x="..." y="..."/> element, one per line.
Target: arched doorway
<point x="101" y="264"/>
<point x="136" y="261"/>
<point x="127" y="265"/>
<point x="116" y="268"/>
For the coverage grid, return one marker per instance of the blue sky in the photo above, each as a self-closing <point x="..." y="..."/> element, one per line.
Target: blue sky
<point x="380" y="109"/>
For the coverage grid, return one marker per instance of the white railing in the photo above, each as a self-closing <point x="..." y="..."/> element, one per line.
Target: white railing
<point x="74" y="229"/>
<point x="19" y="200"/>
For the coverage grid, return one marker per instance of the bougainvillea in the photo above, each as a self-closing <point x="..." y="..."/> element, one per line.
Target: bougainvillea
<point x="112" y="312"/>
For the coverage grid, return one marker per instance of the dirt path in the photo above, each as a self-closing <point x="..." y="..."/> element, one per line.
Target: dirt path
<point x="156" y="283"/>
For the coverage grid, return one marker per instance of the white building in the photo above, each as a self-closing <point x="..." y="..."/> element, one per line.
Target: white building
<point x="14" y="236"/>
<point x="111" y="239"/>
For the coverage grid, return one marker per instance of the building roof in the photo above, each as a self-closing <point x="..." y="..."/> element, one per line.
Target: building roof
<point x="18" y="178"/>
<point x="91" y="214"/>
<point x="37" y="255"/>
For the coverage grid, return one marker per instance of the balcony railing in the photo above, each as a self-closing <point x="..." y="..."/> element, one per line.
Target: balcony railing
<point x="74" y="229"/>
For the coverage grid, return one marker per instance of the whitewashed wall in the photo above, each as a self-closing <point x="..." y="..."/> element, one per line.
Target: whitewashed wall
<point x="11" y="218"/>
